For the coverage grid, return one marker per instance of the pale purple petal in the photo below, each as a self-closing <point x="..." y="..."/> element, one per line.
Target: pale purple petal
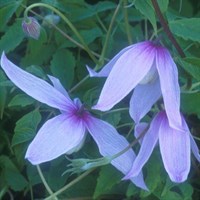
<point x="175" y="150"/>
<point x="105" y="71"/>
<point x="127" y="72"/>
<point x="35" y="87"/>
<point x="139" y="129"/>
<point x="194" y="147"/>
<point x="149" y="141"/>
<point x="143" y="98"/>
<point x="57" y="136"/>
<point x="168" y="76"/>
<point x="57" y="85"/>
<point x="110" y="142"/>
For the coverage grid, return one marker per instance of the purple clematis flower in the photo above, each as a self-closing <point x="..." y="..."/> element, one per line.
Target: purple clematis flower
<point x="31" y="27"/>
<point x="174" y="147"/>
<point x="66" y="132"/>
<point x="150" y="69"/>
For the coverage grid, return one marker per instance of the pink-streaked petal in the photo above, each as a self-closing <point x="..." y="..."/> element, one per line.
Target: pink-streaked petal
<point x="139" y="129"/>
<point x="57" y="85"/>
<point x="35" y="87"/>
<point x="57" y="136"/>
<point x="110" y="142"/>
<point x="105" y="71"/>
<point x="149" y="141"/>
<point x="168" y="76"/>
<point x="127" y="72"/>
<point x="175" y="150"/>
<point x="194" y="147"/>
<point x="143" y="98"/>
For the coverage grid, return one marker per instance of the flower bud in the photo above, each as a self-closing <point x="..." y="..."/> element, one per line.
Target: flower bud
<point x="31" y="27"/>
<point x="50" y="19"/>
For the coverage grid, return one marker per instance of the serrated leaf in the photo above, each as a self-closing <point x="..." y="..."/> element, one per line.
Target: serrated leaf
<point x="26" y="127"/>
<point x="12" y="175"/>
<point x="62" y="67"/>
<point x="108" y="177"/>
<point x="7" y="11"/>
<point x="190" y="103"/>
<point x="188" y="29"/>
<point x="12" y="38"/>
<point x="21" y="100"/>
<point x="91" y="34"/>
<point x="146" y="8"/>
<point x="192" y="66"/>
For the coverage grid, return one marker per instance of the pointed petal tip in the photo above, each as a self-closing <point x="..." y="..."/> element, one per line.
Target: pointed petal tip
<point x="91" y="72"/>
<point x="141" y="184"/>
<point x="100" y="107"/>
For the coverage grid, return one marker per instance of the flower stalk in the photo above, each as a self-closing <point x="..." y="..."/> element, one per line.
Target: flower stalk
<point x="67" y="21"/>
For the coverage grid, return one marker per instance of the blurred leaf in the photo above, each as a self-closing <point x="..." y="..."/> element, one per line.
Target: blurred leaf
<point x="188" y="29"/>
<point x="12" y="175"/>
<point x="38" y="51"/>
<point x="7" y="11"/>
<point x="62" y="67"/>
<point x="90" y="35"/>
<point x="108" y="177"/>
<point x="3" y="94"/>
<point x="12" y="38"/>
<point x="190" y="103"/>
<point x="146" y="8"/>
<point x="26" y="127"/>
<point x="21" y="100"/>
<point x="192" y="66"/>
<point x="186" y="190"/>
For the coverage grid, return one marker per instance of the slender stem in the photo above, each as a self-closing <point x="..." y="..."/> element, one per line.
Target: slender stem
<point x="79" y="84"/>
<point x="131" y="129"/>
<point x="70" y="184"/>
<point x="44" y="181"/>
<point x="131" y="144"/>
<point x="67" y="22"/>
<point x="101" y="59"/>
<point x="127" y="26"/>
<point x="116" y="110"/>
<point x="166" y="28"/>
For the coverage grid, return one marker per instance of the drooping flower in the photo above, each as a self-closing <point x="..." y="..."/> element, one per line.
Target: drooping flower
<point x="150" y="69"/>
<point x="66" y="132"/>
<point x="31" y="27"/>
<point x="174" y="147"/>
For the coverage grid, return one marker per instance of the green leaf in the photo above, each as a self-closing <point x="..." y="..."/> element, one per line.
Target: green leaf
<point x="187" y="190"/>
<point x="12" y="175"/>
<point x="192" y="66"/>
<point x="3" y="94"/>
<point x="62" y="67"/>
<point x="108" y="177"/>
<point x="12" y="38"/>
<point x="7" y="11"/>
<point x="90" y="35"/>
<point x="38" y="51"/>
<point x="21" y="100"/>
<point x="190" y="103"/>
<point x="188" y="29"/>
<point x="26" y="127"/>
<point x="146" y="8"/>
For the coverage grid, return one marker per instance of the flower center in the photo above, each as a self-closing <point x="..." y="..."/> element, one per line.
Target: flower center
<point x="150" y="76"/>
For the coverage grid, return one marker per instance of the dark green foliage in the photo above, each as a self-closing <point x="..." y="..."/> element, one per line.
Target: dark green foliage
<point x="56" y="54"/>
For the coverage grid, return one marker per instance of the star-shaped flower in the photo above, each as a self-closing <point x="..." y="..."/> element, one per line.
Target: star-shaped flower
<point x="66" y="132"/>
<point x="150" y="69"/>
